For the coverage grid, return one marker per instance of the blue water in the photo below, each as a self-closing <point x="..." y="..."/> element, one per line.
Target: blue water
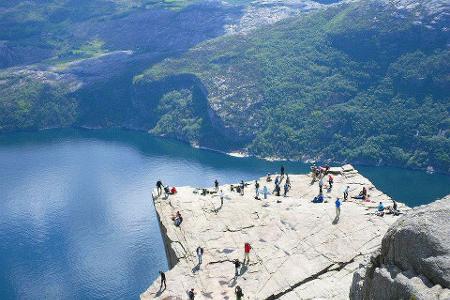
<point x="76" y="220"/>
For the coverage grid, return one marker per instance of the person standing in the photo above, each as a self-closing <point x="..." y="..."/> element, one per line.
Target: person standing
<point x="265" y="191"/>
<point x="238" y="292"/>
<point x="237" y="265"/>
<point x="286" y="189"/>
<point x="242" y="187"/>
<point x="282" y="171"/>
<point x="257" y="189"/>
<point x="288" y="181"/>
<point x="216" y="185"/>
<point x="199" y="252"/>
<point x="346" y="193"/>
<point x="163" y="280"/>
<point x="321" y="185"/>
<point x="330" y="181"/>
<point x="221" y="198"/>
<point x="159" y="186"/>
<point x="247" y="249"/>
<point x="191" y="294"/>
<point x="338" y="208"/>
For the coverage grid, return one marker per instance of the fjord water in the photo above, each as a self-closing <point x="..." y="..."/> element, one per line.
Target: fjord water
<point x="76" y="217"/>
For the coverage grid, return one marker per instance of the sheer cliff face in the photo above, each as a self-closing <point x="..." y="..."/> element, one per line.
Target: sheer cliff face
<point x="414" y="260"/>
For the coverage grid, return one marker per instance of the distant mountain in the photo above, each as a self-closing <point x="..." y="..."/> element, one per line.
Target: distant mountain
<point x="362" y="81"/>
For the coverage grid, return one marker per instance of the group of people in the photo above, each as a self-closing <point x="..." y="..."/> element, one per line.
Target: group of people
<point x="393" y="209"/>
<point x="317" y="173"/>
<point x="160" y="188"/>
<point x="321" y="172"/>
<point x="237" y="266"/>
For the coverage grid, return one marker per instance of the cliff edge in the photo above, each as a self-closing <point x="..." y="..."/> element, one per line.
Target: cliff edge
<point x="299" y="248"/>
<point x="414" y="260"/>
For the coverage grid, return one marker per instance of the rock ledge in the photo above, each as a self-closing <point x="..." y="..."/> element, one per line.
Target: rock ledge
<point x="298" y="251"/>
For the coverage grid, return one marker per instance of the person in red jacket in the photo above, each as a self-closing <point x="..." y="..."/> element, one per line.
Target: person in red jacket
<point x="247" y="249"/>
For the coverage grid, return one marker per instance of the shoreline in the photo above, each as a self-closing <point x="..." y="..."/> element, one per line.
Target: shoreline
<point x="215" y="229"/>
<point x="230" y="153"/>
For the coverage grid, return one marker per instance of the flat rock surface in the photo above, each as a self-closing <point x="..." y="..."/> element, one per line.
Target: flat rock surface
<point x="298" y="248"/>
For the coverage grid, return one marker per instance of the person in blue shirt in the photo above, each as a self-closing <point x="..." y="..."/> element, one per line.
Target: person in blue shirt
<point x="380" y="211"/>
<point x="338" y="207"/>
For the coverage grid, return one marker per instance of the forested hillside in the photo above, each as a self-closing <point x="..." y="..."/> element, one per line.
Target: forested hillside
<point x="364" y="81"/>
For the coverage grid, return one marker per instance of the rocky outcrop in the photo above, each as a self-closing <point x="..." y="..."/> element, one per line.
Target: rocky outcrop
<point x="414" y="261"/>
<point x="300" y="250"/>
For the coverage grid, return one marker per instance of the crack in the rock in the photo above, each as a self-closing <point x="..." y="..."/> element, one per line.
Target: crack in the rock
<point x="229" y="260"/>
<point x="339" y="267"/>
<point x="239" y="229"/>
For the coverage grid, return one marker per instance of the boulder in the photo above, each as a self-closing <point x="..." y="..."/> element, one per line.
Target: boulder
<point x="414" y="260"/>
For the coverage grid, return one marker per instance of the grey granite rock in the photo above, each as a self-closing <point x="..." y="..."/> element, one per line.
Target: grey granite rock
<point x="414" y="261"/>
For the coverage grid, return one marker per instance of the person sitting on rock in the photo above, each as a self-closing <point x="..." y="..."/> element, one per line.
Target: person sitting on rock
<point x="268" y="178"/>
<point x="362" y="195"/>
<point x="166" y="191"/>
<point x="173" y="190"/>
<point x="177" y="219"/>
<point x="318" y="199"/>
<point x="393" y="209"/>
<point x="380" y="209"/>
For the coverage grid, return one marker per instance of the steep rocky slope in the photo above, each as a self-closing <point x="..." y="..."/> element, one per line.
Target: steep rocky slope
<point x="370" y="75"/>
<point x="414" y="260"/>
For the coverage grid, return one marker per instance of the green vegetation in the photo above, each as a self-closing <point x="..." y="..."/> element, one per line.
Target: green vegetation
<point x="32" y="104"/>
<point x="360" y="82"/>
<point x="178" y="118"/>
